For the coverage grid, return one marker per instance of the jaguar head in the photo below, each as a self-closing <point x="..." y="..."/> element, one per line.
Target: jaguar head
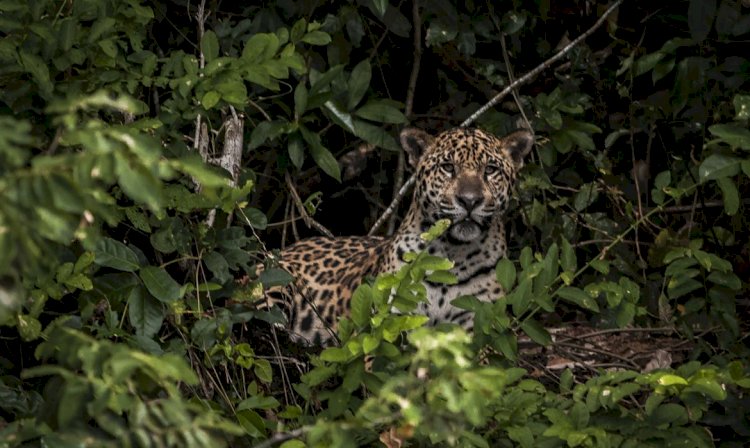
<point x="465" y="175"/>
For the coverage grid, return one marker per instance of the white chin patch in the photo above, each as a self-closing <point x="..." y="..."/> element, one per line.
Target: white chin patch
<point x="465" y="231"/>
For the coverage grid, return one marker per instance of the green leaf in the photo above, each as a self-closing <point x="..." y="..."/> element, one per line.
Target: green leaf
<point x="662" y="69"/>
<point x="84" y="261"/>
<point x="585" y="197"/>
<point x="550" y="267"/>
<point x="322" y="156"/>
<point x="442" y="277"/>
<point x="505" y="273"/>
<point x="361" y="305"/>
<point x="741" y="107"/>
<point x="725" y="279"/>
<point x="380" y="111"/>
<point x="298" y="30"/>
<point x="435" y="231"/>
<point x="579" y="297"/>
<point x="217" y="264"/>
<point x="34" y="65"/>
<point x="144" y="312"/>
<point x="700" y="17"/>
<point x="258" y="402"/>
<point x="233" y="91"/>
<point x="263" y="370"/>
<point x="647" y="62"/>
<point x="614" y="136"/>
<point x="735" y="136"/>
<point x="336" y="354"/>
<point x="369" y="343"/>
<point x="207" y="175"/>
<point x="359" y="82"/>
<point x="300" y="100"/>
<point x="669" y="379"/>
<point x="251" y="423"/>
<point x="275" y="277"/>
<point x="260" y="47"/>
<point x="709" y="387"/>
<point x="513" y="22"/>
<point x="79" y="281"/>
<point x="568" y="260"/>
<point x="375" y="135"/>
<point x="317" y="37"/>
<point x="293" y="444"/>
<point x="210" y="99"/>
<point x="266" y="130"/>
<point x="114" y="254"/>
<point x="296" y="150"/>
<point x="160" y="284"/>
<point x="210" y="46"/>
<point x="320" y="82"/>
<point x="256" y="218"/>
<point x="432" y="263"/>
<point x="29" y="327"/>
<point x="507" y="344"/>
<point x="341" y="117"/>
<point x="680" y="286"/>
<point x="731" y="195"/>
<point x="138" y="183"/>
<point x="536" y="332"/>
<point x="717" y="166"/>
<point x="380" y="7"/>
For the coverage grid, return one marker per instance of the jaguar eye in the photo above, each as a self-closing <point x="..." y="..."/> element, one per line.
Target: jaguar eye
<point x="491" y="169"/>
<point x="447" y="167"/>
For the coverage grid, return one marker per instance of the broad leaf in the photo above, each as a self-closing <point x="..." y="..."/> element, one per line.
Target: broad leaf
<point x="114" y="254"/>
<point x="322" y="156"/>
<point x="144" y="312"/>
<point x="359" y="82"/>
<point x="160" y="284"/>
<point x="210" y="46"/>
<point x="700" y="17"/>
<point x="717" y="166"/>
<point x="536" y="332"/>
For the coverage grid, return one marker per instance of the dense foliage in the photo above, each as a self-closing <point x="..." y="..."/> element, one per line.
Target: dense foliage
<point x="153" y="153"/>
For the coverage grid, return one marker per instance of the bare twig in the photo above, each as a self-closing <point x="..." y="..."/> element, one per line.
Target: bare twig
<point x="309" y="222"/>
<point x="541" y="67"/>
<point x="55" y="142"/>
<point x="231" y="157"/>
<point x="394" y="203"/>
<point x="398" y="179"/>
<point x="200" y="17"/>
<point x="511" y="78"/>
<point x="691" y="208"/>
<point x="496" y="99"/>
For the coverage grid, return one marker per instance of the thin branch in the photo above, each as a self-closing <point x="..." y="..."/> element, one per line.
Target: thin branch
<point x="398" y="180"/>
<point x="541" y="67"/>
<point x="200" y="17"/>
<point x="496" y="99"/>
<point x="511" y="78"/>
<point x="691" y="208"/>
<point x="417" y="20"/>
<point x="309" y="222"/>
<point x="394" y="203"/>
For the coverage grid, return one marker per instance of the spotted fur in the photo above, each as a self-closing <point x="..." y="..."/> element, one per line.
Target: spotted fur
<point x="463" y="174"/>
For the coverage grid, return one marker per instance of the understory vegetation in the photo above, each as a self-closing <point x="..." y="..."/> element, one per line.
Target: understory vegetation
<point x="152" y="154"/>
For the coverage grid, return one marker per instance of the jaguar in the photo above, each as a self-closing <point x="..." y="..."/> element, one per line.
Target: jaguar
<point x="463" y="174"/>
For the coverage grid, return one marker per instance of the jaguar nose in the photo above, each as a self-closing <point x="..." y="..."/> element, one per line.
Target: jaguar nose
<point x="468" y="200"/>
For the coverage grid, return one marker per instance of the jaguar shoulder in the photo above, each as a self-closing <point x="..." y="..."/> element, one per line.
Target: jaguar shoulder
<point x="465" y="175"/>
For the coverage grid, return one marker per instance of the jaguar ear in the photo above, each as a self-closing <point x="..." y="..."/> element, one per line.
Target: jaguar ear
<point x="517" y="145"/>
<point x="415" y="142"/>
